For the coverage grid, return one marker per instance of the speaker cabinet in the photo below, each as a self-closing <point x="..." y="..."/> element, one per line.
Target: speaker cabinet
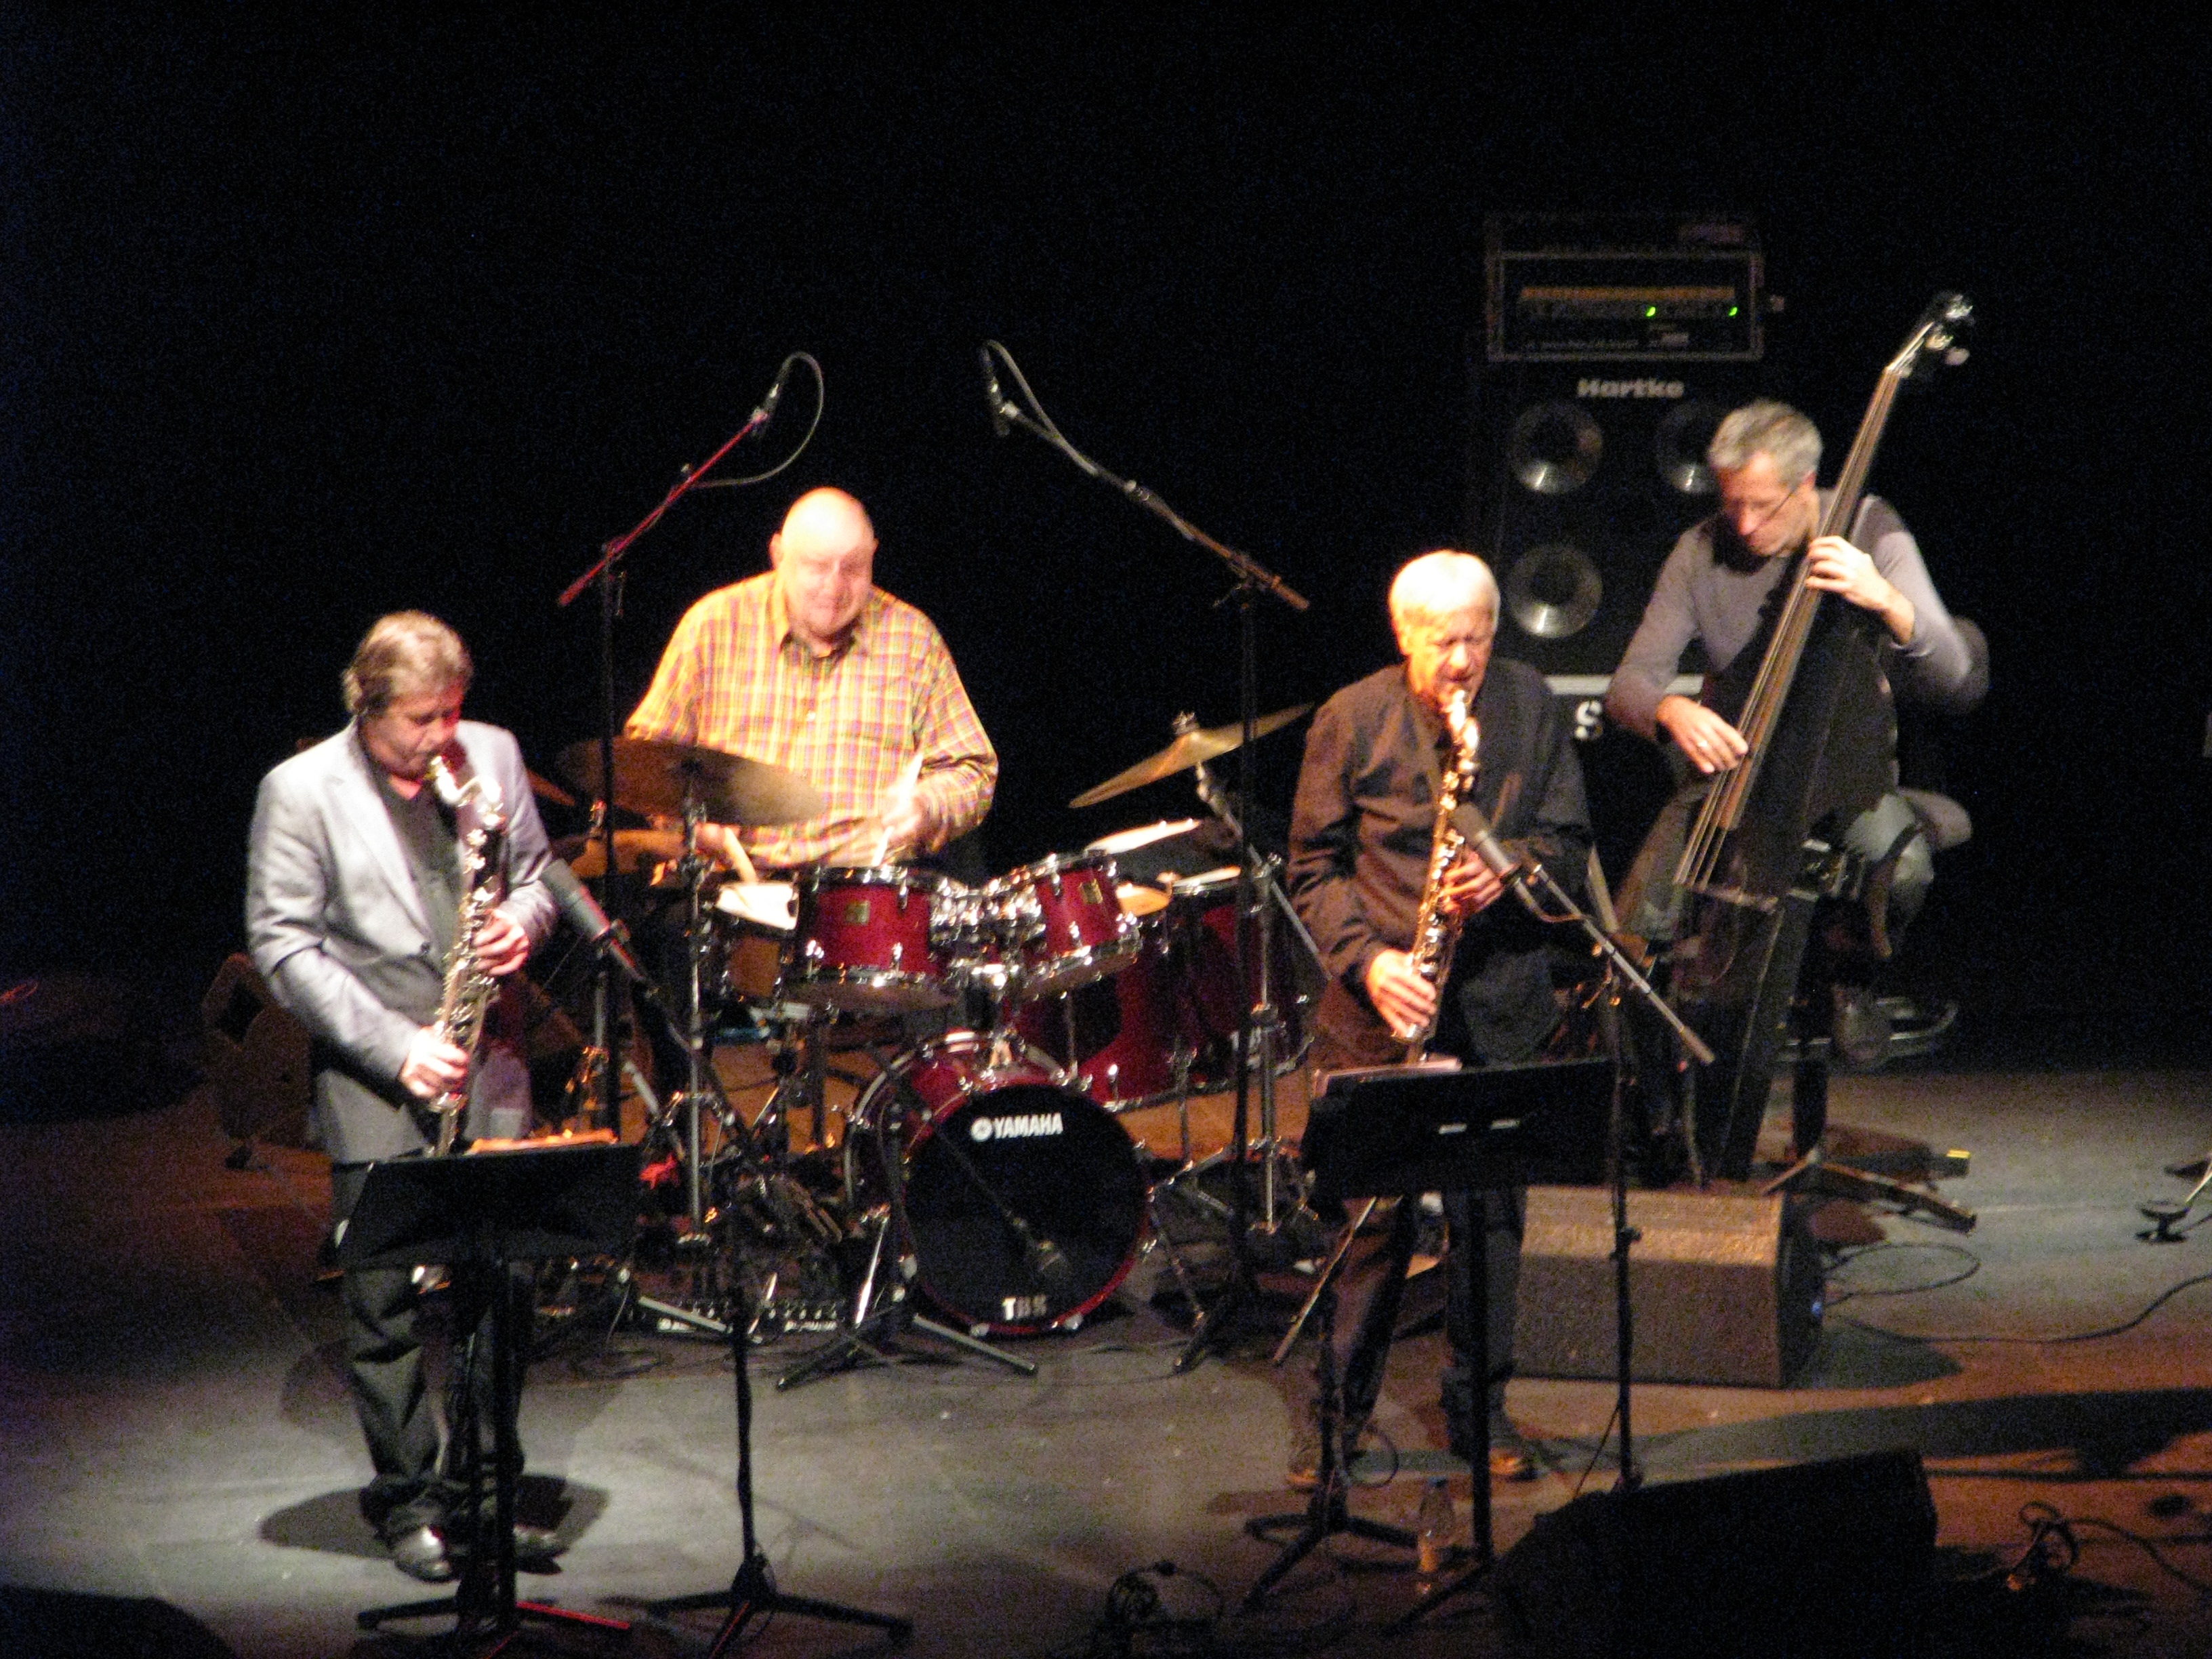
<point x="1724" y="1288"/>
<point x="1582" y="476"/>
<point x="1826" y="1560"/>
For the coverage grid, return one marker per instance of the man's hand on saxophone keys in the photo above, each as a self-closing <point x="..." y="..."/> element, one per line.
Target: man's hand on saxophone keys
<point x="434" y="1066"/>
<point x="502" y="946"/>
<point x="1469" y="886"/>
<point x="1400" y="994"/>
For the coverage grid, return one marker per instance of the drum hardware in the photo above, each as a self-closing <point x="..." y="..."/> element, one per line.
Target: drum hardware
<point x="1280" y="1178"/>
<point x="634" y="850"/>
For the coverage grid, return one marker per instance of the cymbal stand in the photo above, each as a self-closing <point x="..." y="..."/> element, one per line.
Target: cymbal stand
<point x="605" y="575"/>
<point x="1279" y="1172"/>
<point x="864" y="1336"/>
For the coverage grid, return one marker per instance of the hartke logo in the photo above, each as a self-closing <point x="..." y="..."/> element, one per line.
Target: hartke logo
<point x="1015" y="1126"/>
<point x="1647" y="388"/>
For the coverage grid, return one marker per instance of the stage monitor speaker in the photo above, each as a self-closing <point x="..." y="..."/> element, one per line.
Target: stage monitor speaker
<point x="1826" y="1560"/>
<point x="1725" y="1289"/>
<point x="1582" y="476"/>
<point x="257" y="1057"/>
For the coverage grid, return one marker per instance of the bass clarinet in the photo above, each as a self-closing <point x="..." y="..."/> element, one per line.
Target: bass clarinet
<point x="1436" y="930"/>
<point x="469" y="989"/>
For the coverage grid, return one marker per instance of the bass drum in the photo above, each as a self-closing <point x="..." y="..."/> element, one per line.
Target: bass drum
<point x="1024" y="1201"/>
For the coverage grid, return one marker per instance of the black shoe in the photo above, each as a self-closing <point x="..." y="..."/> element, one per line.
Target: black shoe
<point x="420" y="1552"/>
<point x="534" y="1545"/>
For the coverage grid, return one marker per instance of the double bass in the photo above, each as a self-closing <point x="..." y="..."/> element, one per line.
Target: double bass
<point x="1816" y="719"/>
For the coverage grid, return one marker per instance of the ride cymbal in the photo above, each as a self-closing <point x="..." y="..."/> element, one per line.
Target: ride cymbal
<point x="1187" y="751"/>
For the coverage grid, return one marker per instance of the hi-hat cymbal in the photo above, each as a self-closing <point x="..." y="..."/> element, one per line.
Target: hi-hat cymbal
<point x="634" y="850"/>
<point x="654" y="776"/>
<point x="1187" y="751"/>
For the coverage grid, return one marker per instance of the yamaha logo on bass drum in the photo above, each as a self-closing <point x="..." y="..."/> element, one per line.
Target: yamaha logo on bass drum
<point x="1015" y="1126"/>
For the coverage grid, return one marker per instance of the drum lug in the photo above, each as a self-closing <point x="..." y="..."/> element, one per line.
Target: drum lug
<point x="898" y="955"/>
<point x="814" y="952"/>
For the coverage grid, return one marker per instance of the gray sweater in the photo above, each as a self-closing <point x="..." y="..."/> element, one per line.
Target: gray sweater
<point x="1702" y="597"/>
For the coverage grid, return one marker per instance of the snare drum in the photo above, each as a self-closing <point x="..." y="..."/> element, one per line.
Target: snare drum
<point x="1023" y="1199"/>
<point x="868" y="940"/>
<point x="1065" y="923"/>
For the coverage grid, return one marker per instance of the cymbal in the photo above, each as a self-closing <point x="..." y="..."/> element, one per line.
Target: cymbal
<point x="634" y="850"/>
<point x="545" y="789"/>
<point x="1187" y="751"/>
<point x="653" y="777"/>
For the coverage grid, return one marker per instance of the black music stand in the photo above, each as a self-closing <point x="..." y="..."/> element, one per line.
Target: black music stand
<point x="479" y="1214"/>
<point x="1403" y="1130"/>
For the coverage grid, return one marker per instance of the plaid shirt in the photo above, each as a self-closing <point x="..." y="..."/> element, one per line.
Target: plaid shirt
<point x="735" y="678"/>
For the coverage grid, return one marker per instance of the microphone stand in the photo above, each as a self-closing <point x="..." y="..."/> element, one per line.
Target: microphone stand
<point x="605" y="575"/>
<point x="1253" y="580"/>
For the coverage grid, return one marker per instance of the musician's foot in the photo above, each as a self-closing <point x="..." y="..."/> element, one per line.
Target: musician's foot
<point x="420" y="1552"/>
<point x="1303" y="1474"/>
<point x="1511" y="1457"/>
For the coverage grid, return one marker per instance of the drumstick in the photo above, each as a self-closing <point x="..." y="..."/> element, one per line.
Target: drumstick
<point x="901" y="790"/>
<point x="742" y="858"/>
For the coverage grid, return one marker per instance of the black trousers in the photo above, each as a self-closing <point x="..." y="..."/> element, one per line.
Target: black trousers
<point x="387" y="1375"/>
<point x="1372" y="1290"/>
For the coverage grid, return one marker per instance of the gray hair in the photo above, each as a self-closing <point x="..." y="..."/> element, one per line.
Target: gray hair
<point x="1441" y="584"/>
<point x="1770" y="429"/>
<point x="404" y="655"/>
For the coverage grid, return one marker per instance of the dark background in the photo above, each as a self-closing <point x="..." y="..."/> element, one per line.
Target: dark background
<point x="305" y="321"/>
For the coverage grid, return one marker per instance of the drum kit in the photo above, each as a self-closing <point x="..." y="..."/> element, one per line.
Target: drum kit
<point x="984" y="1164"/>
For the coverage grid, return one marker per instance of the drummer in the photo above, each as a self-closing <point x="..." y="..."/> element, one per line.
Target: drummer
<point x="810" y="666"/>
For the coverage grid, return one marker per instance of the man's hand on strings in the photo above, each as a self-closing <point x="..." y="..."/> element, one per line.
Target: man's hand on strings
<point x="1834" y="566"/>
<point x="1711" y="744"/>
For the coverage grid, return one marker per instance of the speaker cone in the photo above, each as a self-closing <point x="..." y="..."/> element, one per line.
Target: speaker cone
<point x="1680" y="446"/>
<point x="1553" y="591"/>
<point x="1555" y="447"/>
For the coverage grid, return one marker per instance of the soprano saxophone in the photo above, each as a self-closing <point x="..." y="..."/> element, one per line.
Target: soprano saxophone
<point x="468" y="988"/>
<point x="1436" y="930"/>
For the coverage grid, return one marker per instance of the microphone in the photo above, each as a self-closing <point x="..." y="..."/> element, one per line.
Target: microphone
<point x="1482" y="841"/>
<point x="991" y="393"/>
<point x="767" y="409"/>
<point x="583" y="914"/>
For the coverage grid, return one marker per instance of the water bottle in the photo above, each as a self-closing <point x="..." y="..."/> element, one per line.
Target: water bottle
<point x="1433" y="1531"/>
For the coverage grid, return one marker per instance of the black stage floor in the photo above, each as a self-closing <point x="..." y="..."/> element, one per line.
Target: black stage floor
<point x="178" y="1461"/>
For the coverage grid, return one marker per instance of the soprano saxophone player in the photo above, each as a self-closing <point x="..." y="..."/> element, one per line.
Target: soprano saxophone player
<point x="354" y="888"/>
<point x="1361" y="837"/>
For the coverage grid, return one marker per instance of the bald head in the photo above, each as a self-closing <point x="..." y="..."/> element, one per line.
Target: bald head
<point x="1443" y="608"/>
<point x="825" y="559"/>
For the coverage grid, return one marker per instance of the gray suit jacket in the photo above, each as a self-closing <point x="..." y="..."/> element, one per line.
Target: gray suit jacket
<point x="336" y="927"/>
